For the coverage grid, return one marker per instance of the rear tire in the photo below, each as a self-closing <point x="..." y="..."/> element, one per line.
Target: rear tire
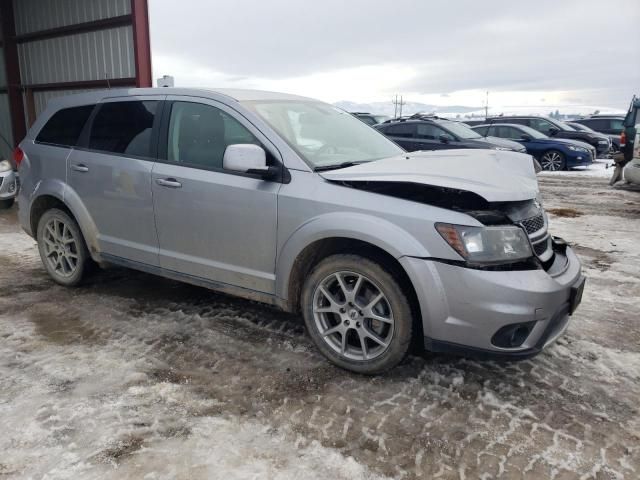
<point x="357" y="314"/>
<point x="553" y="161"/>
<point x="6" y="204"/>
<point x="62" y="247"/>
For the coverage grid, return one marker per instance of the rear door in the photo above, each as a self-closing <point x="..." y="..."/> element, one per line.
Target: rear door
<point x="213" y="223"/>
<point x="110" y="172"/>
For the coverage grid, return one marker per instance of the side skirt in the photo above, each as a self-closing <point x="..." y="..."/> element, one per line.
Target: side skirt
<point x="198" y="281"/>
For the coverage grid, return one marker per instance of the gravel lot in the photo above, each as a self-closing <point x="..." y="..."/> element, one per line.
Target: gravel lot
<point x="133" y="376"/>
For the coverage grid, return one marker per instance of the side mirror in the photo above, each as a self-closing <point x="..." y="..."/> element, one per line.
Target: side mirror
<point x="525" y="137"/>
<point x="445" y="138"/>
<point x="248" y="158"/>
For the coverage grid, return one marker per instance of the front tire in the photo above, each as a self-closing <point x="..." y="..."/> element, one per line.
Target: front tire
<point x="62" y="247"/>
<point x="553" y="161"/>
<point x="357" y="314"/>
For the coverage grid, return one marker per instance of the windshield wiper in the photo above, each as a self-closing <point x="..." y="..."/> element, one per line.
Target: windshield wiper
<point x="336" y="166"/>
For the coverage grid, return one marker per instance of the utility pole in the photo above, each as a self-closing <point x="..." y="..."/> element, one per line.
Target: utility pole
<point x="398" y="104"/>
<point x="486" y="106"/>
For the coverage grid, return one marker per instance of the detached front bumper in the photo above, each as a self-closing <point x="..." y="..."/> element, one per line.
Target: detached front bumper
<point x="8" y="185"/>
<point x="468" y="311"/>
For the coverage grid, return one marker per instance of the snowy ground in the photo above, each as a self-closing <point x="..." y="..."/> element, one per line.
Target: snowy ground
<point x="133" y="377"/>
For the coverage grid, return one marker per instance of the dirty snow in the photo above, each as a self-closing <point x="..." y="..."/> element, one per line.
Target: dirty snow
<point x="602" y="168"/>
<point x="133" y="376"/>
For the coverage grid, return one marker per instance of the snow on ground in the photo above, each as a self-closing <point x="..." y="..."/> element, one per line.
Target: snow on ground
<point x="599" y="168"/>
<point x="133" y="376"/>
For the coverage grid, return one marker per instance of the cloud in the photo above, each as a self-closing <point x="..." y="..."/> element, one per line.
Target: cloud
<point x="421" y="48"/>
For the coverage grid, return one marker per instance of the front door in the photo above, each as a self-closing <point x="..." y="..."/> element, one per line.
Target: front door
<point x="110" y="172"/>
<point x="213" y="223"/>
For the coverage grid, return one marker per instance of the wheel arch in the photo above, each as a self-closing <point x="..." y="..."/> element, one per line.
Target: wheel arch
<point x="58" y="195"/>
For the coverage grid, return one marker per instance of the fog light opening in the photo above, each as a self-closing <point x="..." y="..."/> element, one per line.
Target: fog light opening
<point x="512" y="336"/>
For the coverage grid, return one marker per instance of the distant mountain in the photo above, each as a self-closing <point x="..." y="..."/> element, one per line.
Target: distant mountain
<point x="462" y="111"/>
<point x="387" y="108"/>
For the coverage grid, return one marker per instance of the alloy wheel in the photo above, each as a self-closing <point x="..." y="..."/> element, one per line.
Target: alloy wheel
<point x="551" y="161"/>
<point x="353" y="315"/>
<point x="60" y="248"/>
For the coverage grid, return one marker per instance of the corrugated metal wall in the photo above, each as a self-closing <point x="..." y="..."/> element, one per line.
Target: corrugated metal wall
<point x="41" y="98"/>
<point x="6" y="135"/>
<point x="84" y="56"/>
<point x="35" y="15"/>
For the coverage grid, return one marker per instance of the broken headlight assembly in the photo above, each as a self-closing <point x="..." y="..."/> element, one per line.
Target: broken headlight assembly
<point x="5" y="166"/>
<point x="487" y="245"/>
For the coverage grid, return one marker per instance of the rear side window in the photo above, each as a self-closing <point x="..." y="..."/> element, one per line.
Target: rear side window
<point x="124" y="128"/>
<point x="65" y="126"/>
<point x="430" y="132"/>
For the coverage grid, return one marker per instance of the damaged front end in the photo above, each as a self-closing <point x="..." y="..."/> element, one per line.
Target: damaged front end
<point x="527" y="215"/>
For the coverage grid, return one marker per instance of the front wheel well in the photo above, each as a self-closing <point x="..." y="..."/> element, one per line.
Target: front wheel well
<point x="321" y="249"/>
<point x="40" y="206"/>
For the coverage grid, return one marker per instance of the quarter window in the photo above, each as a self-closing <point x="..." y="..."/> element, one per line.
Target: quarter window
<point x="65" y="126"/>
<point x="199" y="134"/>
<point x="124" y="128"/>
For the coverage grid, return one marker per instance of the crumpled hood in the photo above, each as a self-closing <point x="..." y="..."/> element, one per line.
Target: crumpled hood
<point x="495" y="175"/>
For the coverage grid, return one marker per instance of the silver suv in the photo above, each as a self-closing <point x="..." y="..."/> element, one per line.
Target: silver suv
<point x="296" y="203"/>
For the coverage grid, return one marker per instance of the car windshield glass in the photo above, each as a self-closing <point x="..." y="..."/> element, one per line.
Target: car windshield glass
<point x="460" y="130"/>
<point x="563" y="126"/>
<point x="324" y="135"/>
<point x="531" y="132"/>
<point x="581" y="128"/>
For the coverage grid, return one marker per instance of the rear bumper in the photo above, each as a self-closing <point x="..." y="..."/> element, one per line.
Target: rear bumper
<point x="463" y="309"/>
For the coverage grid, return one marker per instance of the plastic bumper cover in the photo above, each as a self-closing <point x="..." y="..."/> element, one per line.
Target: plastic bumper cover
<point x="463" y="308"/>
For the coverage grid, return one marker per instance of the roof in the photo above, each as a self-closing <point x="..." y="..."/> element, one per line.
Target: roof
<point x="232" y="93"/>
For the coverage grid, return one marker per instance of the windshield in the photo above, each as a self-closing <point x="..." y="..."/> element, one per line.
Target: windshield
<point x="531" y="132"/>
<point x="581" y="128"/>
<point x="562" y="126"/>
<point x="460" y="130"/>
<point x="324" y="135"/>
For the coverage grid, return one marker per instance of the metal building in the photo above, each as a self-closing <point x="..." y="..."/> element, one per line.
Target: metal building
<point x="56" y="47"/>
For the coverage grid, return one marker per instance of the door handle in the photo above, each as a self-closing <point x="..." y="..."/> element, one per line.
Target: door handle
<point x="80" y="168"/>
<point x="168" y="182"/>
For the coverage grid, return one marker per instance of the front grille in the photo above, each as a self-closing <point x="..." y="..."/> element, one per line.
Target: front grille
<point x="536" y="228"/>
<point x="533" y="224"/>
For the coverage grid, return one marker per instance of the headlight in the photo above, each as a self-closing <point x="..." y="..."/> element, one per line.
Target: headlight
<point x="577" y="149"/>
<point x="486" y="244"/>
<point x="5" y="166"/>
<point x="501" y="148"/>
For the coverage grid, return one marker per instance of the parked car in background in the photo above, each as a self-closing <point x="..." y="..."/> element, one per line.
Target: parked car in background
<point x="426" y="132"/>
<point x="8" y="184"/>
<point x="607" y="124"/>
<point x="557" y="129"/>
<point x="376" y="248"/>
<point x="552" y="153"/>
<point x="615" y="139"/>
<point x="369" y="118"/>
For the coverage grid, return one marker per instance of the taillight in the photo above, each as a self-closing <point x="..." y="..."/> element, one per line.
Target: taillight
<point x="623" y="139"/>
<point x="18" y="156"/>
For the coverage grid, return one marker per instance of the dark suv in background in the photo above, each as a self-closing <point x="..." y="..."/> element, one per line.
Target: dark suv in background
<point x="557" y="129"/>
<point x="426" y="132"/>
<point x="609" y="124"/>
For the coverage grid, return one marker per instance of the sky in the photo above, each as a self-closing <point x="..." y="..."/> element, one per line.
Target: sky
<point x="526" y="53"/>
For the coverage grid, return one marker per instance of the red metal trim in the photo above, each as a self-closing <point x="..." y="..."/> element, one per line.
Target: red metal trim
<point x="92" y="26"/>
<point x="114" y="82"/>
<point x="18" y="124"/>
<point x="141" y="42"/>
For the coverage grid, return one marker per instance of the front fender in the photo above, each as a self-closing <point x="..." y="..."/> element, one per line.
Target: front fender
<point x="373" y="230"/>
